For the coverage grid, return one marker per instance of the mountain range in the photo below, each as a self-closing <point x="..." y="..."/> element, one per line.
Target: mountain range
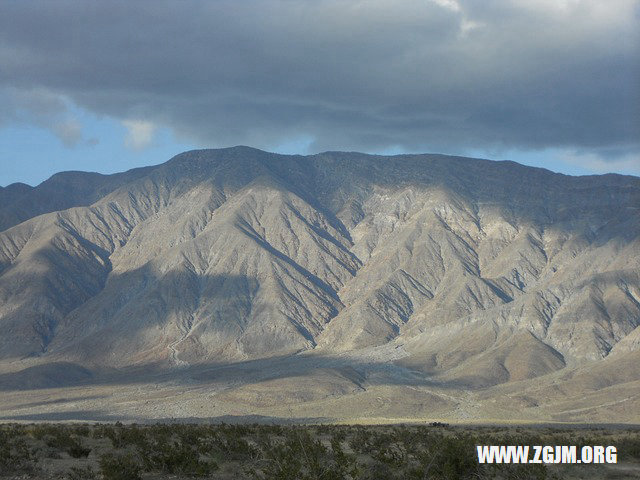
<point x="337" y="286"/>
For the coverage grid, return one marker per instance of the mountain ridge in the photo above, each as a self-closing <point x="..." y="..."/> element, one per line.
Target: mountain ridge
<point x="464" y="273"/>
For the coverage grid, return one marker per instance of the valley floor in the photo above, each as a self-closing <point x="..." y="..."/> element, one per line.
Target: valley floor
<point x="311" y="389"/>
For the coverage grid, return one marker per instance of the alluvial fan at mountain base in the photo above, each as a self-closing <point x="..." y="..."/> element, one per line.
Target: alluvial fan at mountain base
<point x="331" y="287"/>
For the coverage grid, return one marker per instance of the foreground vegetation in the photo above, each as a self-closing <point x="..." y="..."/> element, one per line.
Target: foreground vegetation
<point x="327" y="452"/>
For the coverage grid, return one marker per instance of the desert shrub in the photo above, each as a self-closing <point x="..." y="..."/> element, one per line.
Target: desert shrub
<point x="58" y="439"/>
<point x="272" y="429"/>
<point x="237" y="448"/>
<point x="314" y="453"/>
<point x="345" y="465"/>
<point x="178" y="458"/>
<point x="53" y="453"/>
<point x="301" y="456"/>
<point x="79" y="473"/>
<point x="61" y="439"/>
<point x="360" y="441"/>
<point x="122" y="436"/>
<point x="628" y="448"/>
<point x="98" y="431"/>
<point x="119" y="467"/>
<point x="338" y="434"/>
<point x="392" y="454"/>
<point x="211" y="445"/>
<point x="456" y="458"/>
<point x="281" y="464"/>
<point x="15" y="456"/>
<point x="327" y="452"/>
<point x="5" y="452"/>
<point x="132" y="435"/>
<point x="113" y="435"/>
<point x="524" y="472"/>
<point x="82" y="430"/>
<point x="158" y="433"/>
<point x="43" y="430"/>
<point x="237" y="430"/>
<point x="379" y="471"/>
<point x="76" y="450"/>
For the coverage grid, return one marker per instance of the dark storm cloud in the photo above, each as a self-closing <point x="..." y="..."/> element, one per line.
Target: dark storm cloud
<point x="440" y="74"/>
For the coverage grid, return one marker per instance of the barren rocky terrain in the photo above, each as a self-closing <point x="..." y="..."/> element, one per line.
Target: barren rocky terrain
<point x="331" y="287"/>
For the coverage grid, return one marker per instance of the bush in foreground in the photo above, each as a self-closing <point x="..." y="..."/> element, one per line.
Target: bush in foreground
<point x="119" y="467"/>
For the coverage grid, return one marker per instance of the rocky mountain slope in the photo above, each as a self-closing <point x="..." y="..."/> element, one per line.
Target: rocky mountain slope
<point x="342" y="271"/>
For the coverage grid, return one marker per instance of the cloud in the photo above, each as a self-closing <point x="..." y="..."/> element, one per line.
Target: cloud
<point x="450" y="4"/>
<point x="441" y="75"/>
<point x="68" y="131"/>
<point x="42" y="108"/>
<point x="139" y="134"/>
<point x="626" y="163"/>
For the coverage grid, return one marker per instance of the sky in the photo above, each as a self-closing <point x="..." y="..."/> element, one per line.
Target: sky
<point x="108" y="86"/>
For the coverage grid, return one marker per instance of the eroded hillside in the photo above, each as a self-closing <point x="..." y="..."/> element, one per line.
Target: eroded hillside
<point x="356" y="272"/>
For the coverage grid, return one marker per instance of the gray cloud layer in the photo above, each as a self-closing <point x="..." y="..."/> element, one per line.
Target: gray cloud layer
<point x="436" y="74"/>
